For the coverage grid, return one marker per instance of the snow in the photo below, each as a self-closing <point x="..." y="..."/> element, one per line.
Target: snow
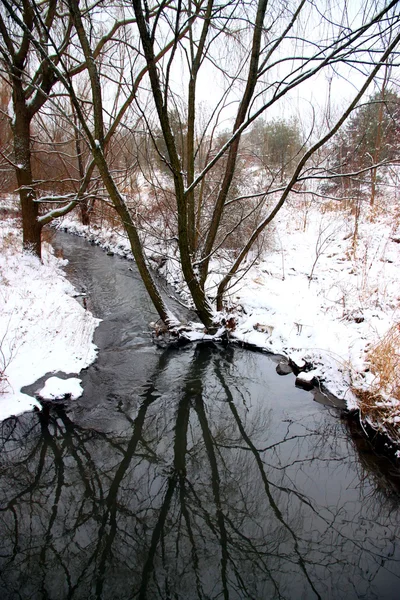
<point x="308" y="376"/>
<point x="58" y="389"/>
<point x="42" y="327"/>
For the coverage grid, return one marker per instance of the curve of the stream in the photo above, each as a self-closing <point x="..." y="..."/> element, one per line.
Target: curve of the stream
<point x="192" y="473"/>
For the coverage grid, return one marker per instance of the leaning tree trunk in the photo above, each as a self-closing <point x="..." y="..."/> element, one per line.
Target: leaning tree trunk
<point x="31" y="228"/>
<point x="133" y="237"/>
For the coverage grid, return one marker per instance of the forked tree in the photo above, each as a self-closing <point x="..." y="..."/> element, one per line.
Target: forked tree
<point x="272" y="60"/>
<point x="252" y="57"/>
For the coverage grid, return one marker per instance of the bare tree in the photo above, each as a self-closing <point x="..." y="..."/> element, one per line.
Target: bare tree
<point x="6" y="165"/>
<point x="168" y="52"/>
<point x="87" y="51"/>
<point x="28" y="95"/>
<point x="34" y="50"/>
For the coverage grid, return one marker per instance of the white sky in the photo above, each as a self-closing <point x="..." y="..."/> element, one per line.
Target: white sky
<point x="317" y="99"/>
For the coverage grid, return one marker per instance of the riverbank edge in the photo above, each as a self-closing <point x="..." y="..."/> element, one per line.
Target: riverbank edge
<point x="380" y="442"/>
<point x="44" y="329"/>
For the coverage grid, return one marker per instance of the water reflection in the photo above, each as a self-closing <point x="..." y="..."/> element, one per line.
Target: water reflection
<point x="213" y="490"/>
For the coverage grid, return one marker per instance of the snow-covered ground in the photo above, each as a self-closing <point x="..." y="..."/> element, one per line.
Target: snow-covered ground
<point x="43" y="328"/>
<point x="332" y="318"/>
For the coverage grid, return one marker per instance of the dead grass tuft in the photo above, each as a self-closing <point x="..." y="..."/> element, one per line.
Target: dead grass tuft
<point x="381" y="401"/>
<point x="5" y="359"/>
<point x="9" y="242"/>
<point x="384" y="363"/>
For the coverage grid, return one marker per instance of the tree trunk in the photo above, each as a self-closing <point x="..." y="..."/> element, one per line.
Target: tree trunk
<point x="378" y="139"/>
<point x="247" y="97"/>
<point x="31" y="228"/>
<point x="185" y="239"/>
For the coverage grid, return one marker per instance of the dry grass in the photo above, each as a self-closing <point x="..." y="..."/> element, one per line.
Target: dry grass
<point x="384" y="362"/>
<point x="9" y="242"/>
<point x="381" y="401"/>
<point x="5" y="359"/>
<point x="4" y="385"/>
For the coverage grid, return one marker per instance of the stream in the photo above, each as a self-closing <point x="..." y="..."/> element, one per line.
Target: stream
<point x="188" y="473"/>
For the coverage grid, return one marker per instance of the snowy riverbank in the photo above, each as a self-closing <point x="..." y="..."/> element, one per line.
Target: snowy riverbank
<point x="315" y="295"/>
<point x="43" y="328"/>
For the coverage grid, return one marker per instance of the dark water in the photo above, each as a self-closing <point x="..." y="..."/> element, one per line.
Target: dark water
<point x="196" y="473"/>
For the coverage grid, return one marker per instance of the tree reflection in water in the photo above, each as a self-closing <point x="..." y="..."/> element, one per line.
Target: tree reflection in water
<point x="206" y="494"/>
